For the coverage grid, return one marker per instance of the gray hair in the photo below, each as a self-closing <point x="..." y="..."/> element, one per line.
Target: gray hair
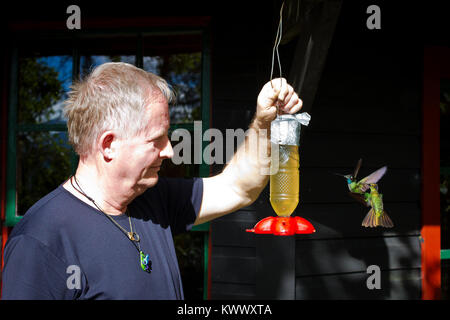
<point x="112" y="97"/>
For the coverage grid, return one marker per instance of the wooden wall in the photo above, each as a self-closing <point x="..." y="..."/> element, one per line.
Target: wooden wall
<point x="367" y="105"/>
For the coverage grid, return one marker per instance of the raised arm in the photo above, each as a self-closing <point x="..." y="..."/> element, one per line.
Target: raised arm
<point x="246" y="175"/>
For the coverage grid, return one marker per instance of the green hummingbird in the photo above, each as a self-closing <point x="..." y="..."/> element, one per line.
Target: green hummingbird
<point x="361" y="186"/>
<point x="376" y="215"/>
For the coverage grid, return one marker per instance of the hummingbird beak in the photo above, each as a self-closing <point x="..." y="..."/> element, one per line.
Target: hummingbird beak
<point x="338" y="174"/>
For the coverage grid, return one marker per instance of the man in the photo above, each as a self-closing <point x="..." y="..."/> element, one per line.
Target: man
<point x="106" y="233"/>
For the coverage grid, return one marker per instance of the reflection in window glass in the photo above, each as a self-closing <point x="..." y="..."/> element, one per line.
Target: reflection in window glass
<point x="183" y="72"/>
<point x="43" y="86"/>
<point x="43" y="163"/>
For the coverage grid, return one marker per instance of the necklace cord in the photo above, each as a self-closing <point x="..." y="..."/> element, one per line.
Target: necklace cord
<point x="130" y="235"/>
<point x="145" y="262"/>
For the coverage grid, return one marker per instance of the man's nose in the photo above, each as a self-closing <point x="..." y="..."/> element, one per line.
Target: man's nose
<point x="167" y="151"/>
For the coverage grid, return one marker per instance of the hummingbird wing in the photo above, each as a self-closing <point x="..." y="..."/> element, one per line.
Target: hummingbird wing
<point x="359" y="198"/>
<point x="374" y="176"/>
<point x="358" y="165"/>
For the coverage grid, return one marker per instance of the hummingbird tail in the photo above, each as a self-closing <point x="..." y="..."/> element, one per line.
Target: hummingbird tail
<point x="385" y="221"/>
<point x="371" y="220"/>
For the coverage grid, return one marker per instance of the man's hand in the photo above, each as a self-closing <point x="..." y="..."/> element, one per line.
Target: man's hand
<point x="276" y="93"/>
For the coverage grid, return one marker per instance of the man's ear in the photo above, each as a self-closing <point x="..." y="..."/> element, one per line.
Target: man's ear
<point x="107" y="145"/>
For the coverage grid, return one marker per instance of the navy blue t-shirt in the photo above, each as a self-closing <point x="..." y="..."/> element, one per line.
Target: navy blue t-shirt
<point x="61" y="238"/>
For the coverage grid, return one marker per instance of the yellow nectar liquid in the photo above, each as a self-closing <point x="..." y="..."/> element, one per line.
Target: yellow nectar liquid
<point x="284" y="185"/>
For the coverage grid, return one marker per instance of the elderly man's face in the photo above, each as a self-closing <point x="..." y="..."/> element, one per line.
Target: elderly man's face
<point x="140" y="158"/>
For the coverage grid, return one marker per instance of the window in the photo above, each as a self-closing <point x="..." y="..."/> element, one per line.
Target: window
<point x="39" y="156"/>
<point x="43" y="67"/>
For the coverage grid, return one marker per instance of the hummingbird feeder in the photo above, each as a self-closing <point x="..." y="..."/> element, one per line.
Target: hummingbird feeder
<point x="284" y="178"/>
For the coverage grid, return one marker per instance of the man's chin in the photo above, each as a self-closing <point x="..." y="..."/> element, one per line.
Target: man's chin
<point x="153" y="181"/>
<point x="147" y="183"/>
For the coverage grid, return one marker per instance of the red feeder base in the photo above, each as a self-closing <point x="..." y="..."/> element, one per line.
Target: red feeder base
<point x="283" y="226"/>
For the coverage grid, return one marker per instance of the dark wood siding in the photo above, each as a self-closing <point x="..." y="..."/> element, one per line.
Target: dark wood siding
<point x="241" y="54"/>
<point x="367" y="105"/>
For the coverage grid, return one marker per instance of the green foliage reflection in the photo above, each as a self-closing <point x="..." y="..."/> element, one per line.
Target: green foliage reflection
<point x="43" y="157"/>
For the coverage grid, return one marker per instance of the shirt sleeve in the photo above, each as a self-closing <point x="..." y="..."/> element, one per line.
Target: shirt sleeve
<point x="32" y="272"/>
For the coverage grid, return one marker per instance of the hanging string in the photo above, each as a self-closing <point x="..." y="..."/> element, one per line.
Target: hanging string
<point x="275" y="50"/>
<point x="277" y="44"/>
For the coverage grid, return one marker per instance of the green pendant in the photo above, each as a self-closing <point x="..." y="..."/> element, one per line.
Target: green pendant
<point x="146" y="263"/>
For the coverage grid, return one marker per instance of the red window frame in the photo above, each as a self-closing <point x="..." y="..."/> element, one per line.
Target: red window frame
<point x="436" y="66"/>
